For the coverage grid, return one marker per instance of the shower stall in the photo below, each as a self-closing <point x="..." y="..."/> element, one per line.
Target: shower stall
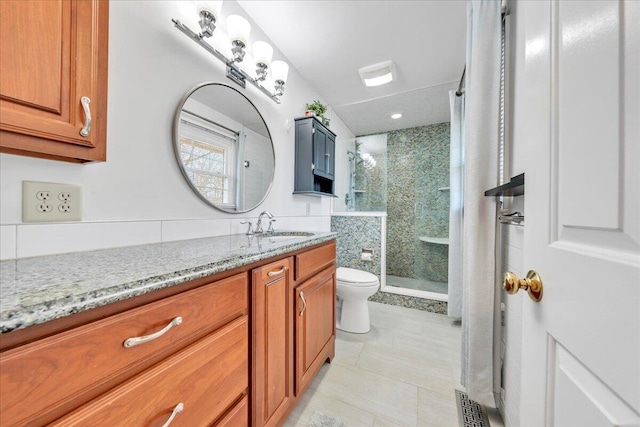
<point x="405" y="174"/>
<point x="418" y="211"/>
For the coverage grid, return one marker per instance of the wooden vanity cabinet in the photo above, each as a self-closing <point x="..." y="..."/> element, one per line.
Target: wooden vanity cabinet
<point x="46" y="379"/>
<point x="248" y="345"/>
<point x="54" y="53"/>
<point x="293" y="323"/>
<point x="315" y="326"/>
<point x="272" y="354"/>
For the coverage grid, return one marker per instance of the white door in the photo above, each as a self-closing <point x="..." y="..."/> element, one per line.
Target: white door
<point x="581" y="343"/>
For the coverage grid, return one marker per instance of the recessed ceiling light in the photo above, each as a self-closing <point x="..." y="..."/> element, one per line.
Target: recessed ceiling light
<point x="378" y="74"/>
<point x="396" y="115"/>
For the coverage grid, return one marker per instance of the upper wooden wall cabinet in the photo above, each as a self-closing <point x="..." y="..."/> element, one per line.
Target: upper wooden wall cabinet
<point x="54" y="53"/>
<point x="315" y="158"/>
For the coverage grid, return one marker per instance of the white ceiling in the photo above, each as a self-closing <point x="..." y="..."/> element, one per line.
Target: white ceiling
<point x="328" y="41"/>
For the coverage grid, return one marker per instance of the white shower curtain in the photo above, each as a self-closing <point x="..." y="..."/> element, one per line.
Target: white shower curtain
<point x="454" y="306"/>
<point x="480" y="299"/>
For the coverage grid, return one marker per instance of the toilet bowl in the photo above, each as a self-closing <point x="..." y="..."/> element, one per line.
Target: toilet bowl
<point x="353" y="289"/>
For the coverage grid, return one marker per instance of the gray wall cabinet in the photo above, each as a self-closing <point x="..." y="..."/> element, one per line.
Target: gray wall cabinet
<point x="315" y="158"/>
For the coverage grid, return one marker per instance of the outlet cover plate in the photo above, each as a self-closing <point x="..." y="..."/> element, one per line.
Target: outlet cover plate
<point x="51" y="202"/>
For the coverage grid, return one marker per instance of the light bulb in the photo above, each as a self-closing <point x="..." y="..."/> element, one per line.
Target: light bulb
<point x="262" y="53"/>
<point x="213" y="7"/>
<point x="279" y="71"/>
<point x="238" y="29"/>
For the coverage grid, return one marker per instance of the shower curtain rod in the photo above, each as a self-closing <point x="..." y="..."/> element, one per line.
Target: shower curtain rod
<point x="460" y="90"/>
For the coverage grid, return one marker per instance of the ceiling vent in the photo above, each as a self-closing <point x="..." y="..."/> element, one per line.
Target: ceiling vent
<point x="378" y="74"/>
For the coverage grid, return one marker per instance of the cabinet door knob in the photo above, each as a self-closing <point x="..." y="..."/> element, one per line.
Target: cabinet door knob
<point x="132" y="342"/>
<point x="304" y="303"/>
<point x="86" y="129"/>
<point x="179" y="408"/>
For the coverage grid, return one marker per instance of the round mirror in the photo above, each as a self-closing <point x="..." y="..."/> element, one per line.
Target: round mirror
<point x="223" y="147"/>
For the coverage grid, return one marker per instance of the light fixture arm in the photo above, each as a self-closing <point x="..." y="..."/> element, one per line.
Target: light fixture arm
<point x="261" y="72"/>
<point x="238" y="51"/>
<point x="279" y="87"/>
<point x="230" y="63"/>
<point x="207" y="23"/>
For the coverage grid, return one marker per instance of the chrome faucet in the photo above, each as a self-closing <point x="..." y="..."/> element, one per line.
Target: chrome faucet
<point x="258" y="229"/>
<point x="270" y="230"/>
<point x="249" y="231"/>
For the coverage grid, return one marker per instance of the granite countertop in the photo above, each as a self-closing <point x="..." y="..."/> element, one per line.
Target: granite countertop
<point x="37" y="290"/>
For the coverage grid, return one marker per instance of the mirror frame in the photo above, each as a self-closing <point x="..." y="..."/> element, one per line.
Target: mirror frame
<point x="176" y="149"/>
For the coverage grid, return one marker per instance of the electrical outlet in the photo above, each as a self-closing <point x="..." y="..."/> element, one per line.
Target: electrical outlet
<point x="49" y="202"/>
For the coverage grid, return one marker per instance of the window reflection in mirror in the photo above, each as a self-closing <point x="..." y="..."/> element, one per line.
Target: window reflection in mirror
<point x="224" y="148"/>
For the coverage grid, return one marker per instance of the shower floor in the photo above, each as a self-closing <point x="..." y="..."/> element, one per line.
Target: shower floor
<point x="418" y="284"/>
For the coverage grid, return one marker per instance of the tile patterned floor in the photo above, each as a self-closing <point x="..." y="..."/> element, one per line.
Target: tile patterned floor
<point x="402" y="373"/>
<point x="410" y="302"/>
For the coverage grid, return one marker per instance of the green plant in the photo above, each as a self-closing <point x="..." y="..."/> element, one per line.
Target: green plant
<point x="317" y="107"/>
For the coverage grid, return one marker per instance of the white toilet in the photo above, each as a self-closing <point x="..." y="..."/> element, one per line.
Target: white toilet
<point x="353" y="289"/>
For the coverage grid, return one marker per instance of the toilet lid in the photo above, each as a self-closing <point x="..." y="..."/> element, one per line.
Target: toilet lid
<point x="355" y="277"/>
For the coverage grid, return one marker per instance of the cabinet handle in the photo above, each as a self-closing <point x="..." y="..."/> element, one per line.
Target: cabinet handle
<point x="327" y="155"/>
<point x="304" y="303"/>
<point x="275" y="273"/>
<point x="132" y="342"/>
<point x="86" y="129"/>
<point x="179" y="408"/>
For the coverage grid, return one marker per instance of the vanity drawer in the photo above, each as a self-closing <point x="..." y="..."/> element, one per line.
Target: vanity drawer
<point x="274" y="271"/>
<point x="315" y="260"/>
<point x="207" y="378"/>
<point x="238" y="416"/>
<point x="59" y="373"/>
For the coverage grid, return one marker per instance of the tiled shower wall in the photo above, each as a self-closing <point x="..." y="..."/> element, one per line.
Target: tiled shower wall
<point x="354" y="234"/>
<point x="419" y="159"/>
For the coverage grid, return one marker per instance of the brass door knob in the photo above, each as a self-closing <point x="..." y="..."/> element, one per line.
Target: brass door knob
<point x="532" y="284"/>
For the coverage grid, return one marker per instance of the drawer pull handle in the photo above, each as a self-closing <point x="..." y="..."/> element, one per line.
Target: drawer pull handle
<point x="132" y="342"/>
<point x="179" y="408"/>
<point x="86" y="129"/>
<point x="304" y="303"/>
<point x="277" y="272"/>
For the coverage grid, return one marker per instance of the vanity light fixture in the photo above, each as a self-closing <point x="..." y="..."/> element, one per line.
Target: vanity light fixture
<point x="208" y="12"/>
<point x="279" y="72"/>
<point x="262" y="54"/>
<point x="238" y="29"/>
<point x="396" y="115"/>
<point x="378" y="74"/>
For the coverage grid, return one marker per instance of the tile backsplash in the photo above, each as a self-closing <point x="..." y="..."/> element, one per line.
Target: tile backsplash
<point x="29" y="240"/>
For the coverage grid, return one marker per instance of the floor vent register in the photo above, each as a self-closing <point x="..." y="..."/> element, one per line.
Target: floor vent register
<point x="470" y="413"/>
